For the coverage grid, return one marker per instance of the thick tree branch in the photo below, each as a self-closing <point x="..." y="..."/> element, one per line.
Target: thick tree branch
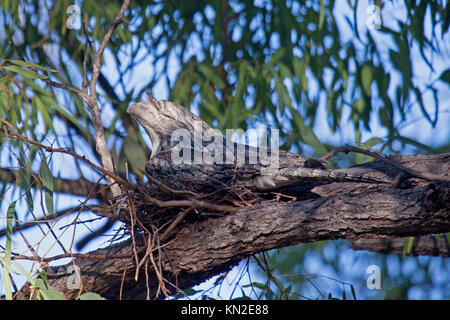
<point x="212" y="245"/>
<point x="422" y="245"/>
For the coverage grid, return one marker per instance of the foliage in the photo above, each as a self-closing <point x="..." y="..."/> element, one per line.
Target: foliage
<point x="301" y="67"/>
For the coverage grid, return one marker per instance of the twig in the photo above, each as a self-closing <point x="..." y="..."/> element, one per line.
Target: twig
<point x="166" y="189"/>
<point x="69" y="152"/>
<point x="174" y="223"/>
<point x="71" y="255"/>
<point x="132" y="223"/>
<point x="406" y="172"/>
<point x="50" y="218"/>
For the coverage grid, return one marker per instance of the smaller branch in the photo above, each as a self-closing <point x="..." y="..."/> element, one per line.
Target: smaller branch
<point x="166" y="189"/>
<point x="98" y="55"/>
<point x="194" y="204"/>
<point x="406" y="172"/>
<point x="17" y="256"/>
<point x="423" y="245"/>
<point x="30" y="224"/>
<point x="69" y="88"/>
<point x="100" y="140"/>
<point x="174" y="223"/>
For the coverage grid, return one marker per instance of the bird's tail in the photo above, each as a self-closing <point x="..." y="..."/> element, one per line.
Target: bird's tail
<point x="309" y="174"/>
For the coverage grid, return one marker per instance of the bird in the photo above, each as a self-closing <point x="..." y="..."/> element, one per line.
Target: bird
<point x="178" y="136"/>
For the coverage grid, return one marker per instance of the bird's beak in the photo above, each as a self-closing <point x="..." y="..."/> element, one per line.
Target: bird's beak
<point x="131" y="110"/>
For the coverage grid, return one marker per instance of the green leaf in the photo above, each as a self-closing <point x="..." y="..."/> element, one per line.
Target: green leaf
<point x="277" y="56"/>
<point x="47" y="292"/>
<point x="445" y="76"/>
<point x="321" y="15"/>
<point x="30" y="64"/>
<point x="306" y="133"/>
<point x="285" y="72"/>
<point x="91" y="296"/>
<point x="256" y="285"/>
<point x="7" y="260"/>
<point x="133" y="154"/>
<point x="242" y="84"/>
<point x="47" y="179"/>
<point x="373" y="141"/>
<point x="25" y="183"/>
<point x="24" y="272"/>
<point x="407" y="245"/>
<point x="44" y="111"/>
<point x="3" y="103"/>
<point x="366" y="78"/>
<point x="50" y="101"/>
<point x="211" y="75"/>
<point x="422" y="105"/>
<point x="300" y="72"/>
<point x="414" y="143"/>
<point x="186" y="293"/>
<point x="402" y="62"/>
<point x="25" y="73"/>
<point x="9" y="216"/>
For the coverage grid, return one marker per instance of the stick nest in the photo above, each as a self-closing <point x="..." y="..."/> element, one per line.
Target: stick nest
<point x="162" y="206"/>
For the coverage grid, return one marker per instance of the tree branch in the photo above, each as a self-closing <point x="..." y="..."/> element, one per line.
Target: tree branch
<point x="100" y="140"/>
<point x="213" y="245"/>
<point x="91" y="99"/>
<point x="423" y="245"/>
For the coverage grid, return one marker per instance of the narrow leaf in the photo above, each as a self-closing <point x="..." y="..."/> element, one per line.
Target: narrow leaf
<point x="7" y="261"/>
<point x="47" y="179"/>
<point x="91" y="296"/>
<point x="366" y="78"/>
<point x="47" y="292"/>
<point x="445" y="76"/>
<point x="25" y="73"/>
<point x="211" y="75"/>
<point x="30" y="64"/>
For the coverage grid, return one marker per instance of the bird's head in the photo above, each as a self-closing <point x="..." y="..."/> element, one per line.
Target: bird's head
<point x="160" y="118"/>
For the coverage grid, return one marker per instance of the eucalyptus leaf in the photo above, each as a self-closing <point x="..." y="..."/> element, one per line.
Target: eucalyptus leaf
<point x="91" y="296"/>
<point x="30" y="64"/>
<point x="26" y="73"/>
<point x="47" y="179"/>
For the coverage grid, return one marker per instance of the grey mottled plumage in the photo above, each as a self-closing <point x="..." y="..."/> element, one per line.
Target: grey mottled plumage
<point x="161" y="118"/>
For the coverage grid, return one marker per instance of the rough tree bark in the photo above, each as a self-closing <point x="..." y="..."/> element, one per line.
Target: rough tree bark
<point x="428" y="245"/>
<point x="212" y="245"/>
